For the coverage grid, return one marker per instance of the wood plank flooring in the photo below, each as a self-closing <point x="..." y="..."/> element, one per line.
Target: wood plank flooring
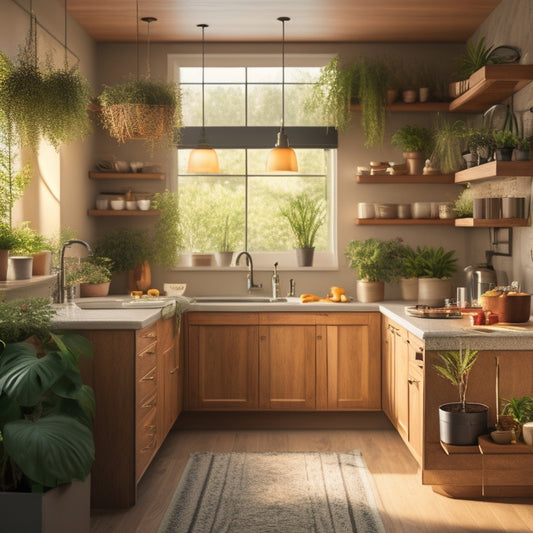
<point x="405" y="504"/>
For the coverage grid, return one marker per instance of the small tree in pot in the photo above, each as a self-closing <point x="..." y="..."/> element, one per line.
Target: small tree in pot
<point x="460" y="423"/>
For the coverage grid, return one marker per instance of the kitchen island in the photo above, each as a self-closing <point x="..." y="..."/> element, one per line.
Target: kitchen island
<point x="296" y="357"/>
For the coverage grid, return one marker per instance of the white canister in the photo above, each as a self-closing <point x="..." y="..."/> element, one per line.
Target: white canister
<point x="365" y="210"/>
<point x="527" y="433"/>
<point x="446" y="210"/>
<point x="404" y="210"/>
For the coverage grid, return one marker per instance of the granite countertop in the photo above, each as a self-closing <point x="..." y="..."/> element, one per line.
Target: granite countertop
<point x="438" y="334"/>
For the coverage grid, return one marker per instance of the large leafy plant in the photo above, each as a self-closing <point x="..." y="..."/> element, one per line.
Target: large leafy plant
<point x="455" y="366"/>
<point x="436" y="262"/>
<point x="413" y="138"/>
<point x="305" y="216"/>
<point x="375" y="260"/>
<point x="46" y="411"/>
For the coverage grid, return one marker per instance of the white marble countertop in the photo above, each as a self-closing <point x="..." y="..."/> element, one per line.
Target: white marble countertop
<point x="438" y="334"/>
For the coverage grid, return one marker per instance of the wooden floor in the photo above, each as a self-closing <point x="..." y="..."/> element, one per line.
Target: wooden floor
<point x="405" y="504"/>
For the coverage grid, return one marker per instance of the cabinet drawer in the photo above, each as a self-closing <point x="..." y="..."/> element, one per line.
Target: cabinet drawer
<point x="146" y="385"/>
<point x="145" y="404"/>
<point x="416" y="350"/>
<point x="146" y="439"/>
<point x="145" y="361"/>
<point x="145" y="337"/>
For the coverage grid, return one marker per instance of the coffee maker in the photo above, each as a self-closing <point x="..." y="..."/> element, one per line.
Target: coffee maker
<point x="479" y="279"/>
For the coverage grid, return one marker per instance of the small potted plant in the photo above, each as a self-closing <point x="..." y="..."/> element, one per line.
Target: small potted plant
<point x="7" y="243"/>
<point x="46" y="420"/>
<point x="226" y="248"/>
<point x="410" y="270"/>
<point x="449" y="141"/>
<point x="523" y="145"/>
<point x="437" y="267"/>
<point x="94" y="276"/>
<point x="460" y="423"/>
<point x="480" y="143"/>
<point x="305" y="216"/>
<point x="416" y="144"/>
<point x="505" y="141"/>
<point x="376" y="262"/>
<point x="515" y="413"/>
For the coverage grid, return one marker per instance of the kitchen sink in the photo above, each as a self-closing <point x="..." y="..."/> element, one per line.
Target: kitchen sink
<point x="236" y="299"/>
<point x="122" y="303"/>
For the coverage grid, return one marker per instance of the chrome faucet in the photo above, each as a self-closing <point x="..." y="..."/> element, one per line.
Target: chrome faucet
<point x="250" y="276"/>
<point x="61" y="283"/>
<point x="275" y="282"/>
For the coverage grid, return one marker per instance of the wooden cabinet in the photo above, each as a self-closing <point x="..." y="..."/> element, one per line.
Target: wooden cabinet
<point x="136" y="404"/>
<point x="283" y="361"/>
<point x="402" y="383"/>
<point x="222" y="361"/>
<point x="287" y="355"/>
<point x="353" y="360"/>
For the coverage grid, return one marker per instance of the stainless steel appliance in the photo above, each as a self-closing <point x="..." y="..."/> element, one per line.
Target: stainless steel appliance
<point x="479" y="279"/>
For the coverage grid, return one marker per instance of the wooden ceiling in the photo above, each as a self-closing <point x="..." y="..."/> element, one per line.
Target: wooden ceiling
<point x="311" y="20"/>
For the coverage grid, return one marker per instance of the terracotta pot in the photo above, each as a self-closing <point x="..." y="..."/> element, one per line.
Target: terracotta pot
<point x="140" y="278"/>
<point x="202" y="259"/>
<point x="370" y="291"/>
<point x="415" y="163"/>
<point x="94" y="289"/>
<point x="409" y="96"/>
<point x="4" y="257"/>
<point x="42" y="262"/>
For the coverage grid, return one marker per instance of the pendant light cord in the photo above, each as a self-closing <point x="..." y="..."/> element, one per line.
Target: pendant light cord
<point x="283" y="20"/>
<point x="66" y="49"/>
<point x="203" y="26"/>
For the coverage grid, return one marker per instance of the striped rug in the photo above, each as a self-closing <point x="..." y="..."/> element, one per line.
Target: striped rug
<point x="285" y="492"/>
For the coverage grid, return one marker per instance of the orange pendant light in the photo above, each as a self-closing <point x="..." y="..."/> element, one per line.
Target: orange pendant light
<point x="282" y="158"/>
<point x="203" y="159"/>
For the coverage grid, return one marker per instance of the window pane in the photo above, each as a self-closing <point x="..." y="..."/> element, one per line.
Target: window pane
<point x="264" y="75"/>
<point x="264" y="105"/>
<point x="268" y="231"/>
<point x="206" y="203"/>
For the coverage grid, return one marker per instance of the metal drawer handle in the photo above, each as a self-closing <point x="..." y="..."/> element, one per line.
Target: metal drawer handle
<point x="149" y="336"/>
<point x="149" y="404"/>
<point x="174" y="371"/>
<point x="144" y="354"/>
<point x="148" y="378"/>
<point x="412" y="380"/>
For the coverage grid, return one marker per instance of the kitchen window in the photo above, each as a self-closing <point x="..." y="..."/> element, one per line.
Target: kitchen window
<point x="242" y="118"/>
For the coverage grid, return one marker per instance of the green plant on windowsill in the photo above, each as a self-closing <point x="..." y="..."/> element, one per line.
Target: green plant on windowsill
<point x="305" y="216"/>
<point x="46" y="411"/>
<point x="226" y="241"/>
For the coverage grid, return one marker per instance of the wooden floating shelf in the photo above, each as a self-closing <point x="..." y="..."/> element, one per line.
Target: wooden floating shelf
<point x="404" y="222"/>
<point x="126" y="175"/>
<point x="491" y="222"/>
<point x="415" y="107"/>
<point x="491" y="85"/>
<point x="437" y="179"/>
<point x="495" y="169"/>
<point x="122" y="213"/>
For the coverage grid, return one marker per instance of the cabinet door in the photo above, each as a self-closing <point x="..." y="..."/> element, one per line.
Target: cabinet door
<point x="387" y="369"/>
<point x="354" y="362"/>
<point x="416" y="409"/>
<point x="287" y="367"/>
<point x="222" y="366"/>
<point x="169" y="376"/>
<point x="401" y="375"/>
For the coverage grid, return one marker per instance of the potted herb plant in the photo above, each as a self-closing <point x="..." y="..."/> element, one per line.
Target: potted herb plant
<point x="416" y="144"/>
<point x="305" y="216"/>
<point x="437" y="267"/>
<point x="94" y="276"/>
<point x="129" y="250"/>
<point x="376" y="262"/>
<point x="480" y="143"/>
<point x="449" y="141"/>
<point x="410" y="271"/>
<point x="515" y="413"/>
<point x="505" y="141"/>
<point x="226" y="246"/>
<point x="460" y="423"/>
<point x="45" y="422"/>
<point x="463" y="206"/>
<point x="523" y="145"/>
<point x="141" y="109"/>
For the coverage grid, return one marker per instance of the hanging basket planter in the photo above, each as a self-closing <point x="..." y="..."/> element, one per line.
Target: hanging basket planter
<point x="141" y="109"/>
<point x="139" y="121"/>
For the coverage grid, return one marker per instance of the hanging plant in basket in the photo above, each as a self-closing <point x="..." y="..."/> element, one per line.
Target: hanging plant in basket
<point x="141" y="109"/>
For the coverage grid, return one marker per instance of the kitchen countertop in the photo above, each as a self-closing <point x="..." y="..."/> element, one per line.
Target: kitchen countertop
<point x="438" y="334"/>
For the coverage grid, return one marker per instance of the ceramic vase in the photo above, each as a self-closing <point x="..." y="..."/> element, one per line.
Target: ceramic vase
<point x="304" y="256"/>
<point x="433" y="291"/>
<point x="409" y="288"/>
<point x="223" y="259"/>
<point x="94" y="289"/>
<point x="140" y="278"/>
<point x="370" y="291"/>
<point x="415" y="163"/>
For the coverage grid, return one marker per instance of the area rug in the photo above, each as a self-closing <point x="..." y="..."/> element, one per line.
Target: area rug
<point x="287" y="492"/>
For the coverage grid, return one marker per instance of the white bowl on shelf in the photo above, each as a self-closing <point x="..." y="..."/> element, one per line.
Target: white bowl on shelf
<point x="131" y="205"/>
<point x="144" y="204"/>
<point x="117" y="204"/>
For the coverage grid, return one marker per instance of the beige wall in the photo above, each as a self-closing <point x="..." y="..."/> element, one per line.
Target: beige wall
<point x="59" y="193"/>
